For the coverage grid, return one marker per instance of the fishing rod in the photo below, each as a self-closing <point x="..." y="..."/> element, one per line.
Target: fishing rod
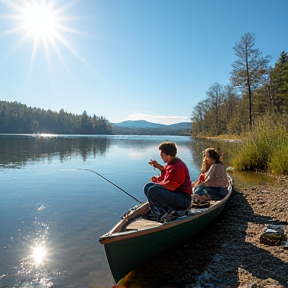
<point x="111" y="183"/>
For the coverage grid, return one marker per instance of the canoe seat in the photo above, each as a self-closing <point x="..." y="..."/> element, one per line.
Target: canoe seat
<point x="140" y="223"/>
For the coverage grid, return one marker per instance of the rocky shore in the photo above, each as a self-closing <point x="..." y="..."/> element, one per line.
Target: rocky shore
<point x="228" y="253"/>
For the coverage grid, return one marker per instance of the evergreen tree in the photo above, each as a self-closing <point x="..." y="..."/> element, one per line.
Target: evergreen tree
<point x="18" y="118"/>
<point x="279" y="84"/>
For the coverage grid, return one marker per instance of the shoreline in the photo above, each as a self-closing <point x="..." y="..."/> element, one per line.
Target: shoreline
<point x="229" y="252"/>
<point x="228" y="138"/>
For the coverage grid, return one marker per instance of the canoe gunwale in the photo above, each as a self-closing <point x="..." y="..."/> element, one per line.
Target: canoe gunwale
<point x="127" y="250"/>
<point x="113" y="236"/>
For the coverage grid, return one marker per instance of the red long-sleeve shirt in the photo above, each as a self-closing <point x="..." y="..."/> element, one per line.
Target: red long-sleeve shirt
<point x="175" y="177"/>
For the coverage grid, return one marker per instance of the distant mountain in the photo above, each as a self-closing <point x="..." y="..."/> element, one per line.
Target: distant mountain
<point x="142" y="127"/>
<point x="146" y="124"/>
<point x="182" y="125"/>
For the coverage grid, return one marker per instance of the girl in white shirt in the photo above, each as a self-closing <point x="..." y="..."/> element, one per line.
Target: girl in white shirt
<point x="214" y="186"/>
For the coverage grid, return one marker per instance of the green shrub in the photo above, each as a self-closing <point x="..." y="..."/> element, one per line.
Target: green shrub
<point x="279" y="160"/>
<point x="265" y="148"/>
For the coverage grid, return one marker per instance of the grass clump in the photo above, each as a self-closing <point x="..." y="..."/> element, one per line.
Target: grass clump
<point x="279" y="162"/>
<point x="265" y="148"/>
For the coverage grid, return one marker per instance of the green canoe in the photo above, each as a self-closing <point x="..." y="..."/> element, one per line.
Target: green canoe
<point x="135" y="239"/>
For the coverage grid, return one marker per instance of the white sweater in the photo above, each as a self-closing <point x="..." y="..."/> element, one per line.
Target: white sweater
<point x="216" y="176"/>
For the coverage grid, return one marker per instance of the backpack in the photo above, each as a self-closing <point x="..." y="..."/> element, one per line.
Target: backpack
<point x="272" y="235"/>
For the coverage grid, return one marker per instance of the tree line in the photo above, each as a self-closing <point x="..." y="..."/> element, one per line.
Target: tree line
<point x="150" y="131"/>
<point x="255" y="89"/>
<point x="18" y="118"/>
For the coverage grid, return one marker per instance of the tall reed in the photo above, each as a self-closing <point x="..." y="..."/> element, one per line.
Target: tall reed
<point x="265" y="148"/>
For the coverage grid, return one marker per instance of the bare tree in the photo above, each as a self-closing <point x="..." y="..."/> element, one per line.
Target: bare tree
<point x="197" y="117"/>
<point x="216" y="97"/>
<point x="231" y="102"/>
<point x="250" y="69"/>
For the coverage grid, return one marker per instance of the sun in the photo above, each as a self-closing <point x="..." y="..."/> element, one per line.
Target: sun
<point x="41" y="20"/>
<point x="44" y="24"/>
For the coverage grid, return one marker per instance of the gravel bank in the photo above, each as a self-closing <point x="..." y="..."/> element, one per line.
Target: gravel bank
<point x="229" y="253"/>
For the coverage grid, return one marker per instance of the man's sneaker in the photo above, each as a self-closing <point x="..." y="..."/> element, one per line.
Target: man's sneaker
<point x="169" y="216"/>
<point x="153" y="216"/>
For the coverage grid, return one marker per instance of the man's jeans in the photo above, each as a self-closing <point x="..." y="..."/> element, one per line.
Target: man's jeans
<point x="162" y="200"/>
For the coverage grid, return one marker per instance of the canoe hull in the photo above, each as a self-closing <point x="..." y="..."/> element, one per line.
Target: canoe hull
<point x="127" y="254"/>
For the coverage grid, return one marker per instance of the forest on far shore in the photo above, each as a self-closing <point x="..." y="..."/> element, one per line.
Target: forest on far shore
<point x="17" y="118"/>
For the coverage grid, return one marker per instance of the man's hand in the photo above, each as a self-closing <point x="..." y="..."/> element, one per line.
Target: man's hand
<point x="153" y="162"/>
<point x="153" y="179"/>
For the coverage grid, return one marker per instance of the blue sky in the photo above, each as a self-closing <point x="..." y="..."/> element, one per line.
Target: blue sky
<point x="129" y="59"/>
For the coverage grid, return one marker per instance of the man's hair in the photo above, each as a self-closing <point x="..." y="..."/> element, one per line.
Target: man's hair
<point x="169" y="148"/>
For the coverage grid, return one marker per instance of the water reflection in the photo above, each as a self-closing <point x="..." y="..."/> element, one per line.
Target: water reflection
<point x="20" y="150"/>
<point x="51" y="210"/>
<point x="38" y="255"/>
<point x="16" y="151"/>
<point x="31" y="245"/>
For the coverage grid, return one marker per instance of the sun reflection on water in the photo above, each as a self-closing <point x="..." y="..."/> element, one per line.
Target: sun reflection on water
<point x="46" y="135"/>
<point x="35" y="266"/>
<point x="38" y="255"/>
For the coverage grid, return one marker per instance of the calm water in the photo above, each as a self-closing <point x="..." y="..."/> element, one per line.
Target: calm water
<point x="52" y="213"/>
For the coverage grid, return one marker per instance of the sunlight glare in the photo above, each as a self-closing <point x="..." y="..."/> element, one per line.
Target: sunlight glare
<point x="46" y="135"/>
<point x="42" y="22"/>
<point x="38" y="254"/>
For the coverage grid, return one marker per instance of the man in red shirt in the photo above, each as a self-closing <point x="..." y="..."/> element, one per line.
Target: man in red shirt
<point x="172" y="189"/>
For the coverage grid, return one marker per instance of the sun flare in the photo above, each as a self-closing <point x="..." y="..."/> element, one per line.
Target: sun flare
<point x="38" y="254"/>
<point x="45" y="23"/>
<point x="41" y="20"/>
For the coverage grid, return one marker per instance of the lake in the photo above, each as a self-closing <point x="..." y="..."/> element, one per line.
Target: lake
<point x="53" y="211"/>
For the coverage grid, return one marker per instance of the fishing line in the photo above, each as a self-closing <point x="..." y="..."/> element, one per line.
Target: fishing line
<point x="111" y="183"/>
